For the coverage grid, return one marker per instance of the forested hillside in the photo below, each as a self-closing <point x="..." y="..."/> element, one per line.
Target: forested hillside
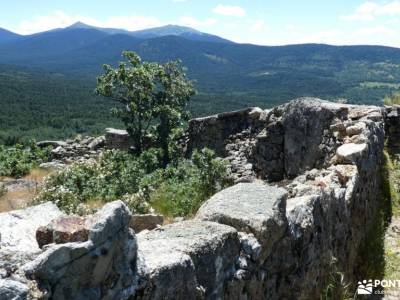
<point x="47" y="79"/>
<point x="44" y="105"/>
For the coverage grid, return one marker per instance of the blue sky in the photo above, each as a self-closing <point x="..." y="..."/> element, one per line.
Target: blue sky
<point x="263" y="22"/>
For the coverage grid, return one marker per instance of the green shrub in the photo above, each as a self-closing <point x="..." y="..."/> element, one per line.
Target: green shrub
<point x="113" y="175"/>
<point x="184" y="188"/>
<point x="3" y="190"/>
<point x="177" y="190"/>
<point x="19" y="160"/>
<point x="394" y="99"/>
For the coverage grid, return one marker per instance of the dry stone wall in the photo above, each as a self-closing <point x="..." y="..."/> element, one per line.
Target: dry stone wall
<point x="392" y="126"/>
<point x="308" y="182"/>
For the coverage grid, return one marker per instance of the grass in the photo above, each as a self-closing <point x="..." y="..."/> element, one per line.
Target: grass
<point x="392" y="262"/>
<point x="392" y="99"/>
<point x="392" y="185"/>
<point x="337" y="288"/>
<point x="392" y="241"/>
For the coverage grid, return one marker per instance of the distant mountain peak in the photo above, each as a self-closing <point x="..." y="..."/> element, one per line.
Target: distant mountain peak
<point x="177" y="30"/>
<point x="80" y="25"/>
<point x="156" y="32"/>
<point x="169" y="29"/>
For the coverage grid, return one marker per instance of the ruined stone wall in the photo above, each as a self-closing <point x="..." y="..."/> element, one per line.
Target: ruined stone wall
<point x="323" y="161"/>
<point x="392" y="126"/>
<point x="117" y="139"/>
<point x="308" y="182"/>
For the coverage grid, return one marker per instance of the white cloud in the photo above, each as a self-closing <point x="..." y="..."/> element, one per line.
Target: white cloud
<point x="375" y="31"/>
<point x="131" y="22"/>
<point x="193" y="22"/>
<point x="232" y="11"/>
<point x="385" y="35"/>
<point x="369" y="10"/>
<point x="59" y="19"/>
<point x="178" y="1"/>
<point x="374" y="35"/>
<point x="259" y="26"/>
<point x="393" y="21"/>
<point x="56" y="19"/>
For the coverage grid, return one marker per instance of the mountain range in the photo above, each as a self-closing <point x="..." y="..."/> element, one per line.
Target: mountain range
<point x="168" y="30"/>
<point x="228" y="75"/>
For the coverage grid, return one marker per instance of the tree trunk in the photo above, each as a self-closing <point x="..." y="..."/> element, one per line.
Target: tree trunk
<point x="164" y="132"/>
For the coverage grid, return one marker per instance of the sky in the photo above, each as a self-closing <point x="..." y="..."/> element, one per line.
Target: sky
<point x="264" y="22"/>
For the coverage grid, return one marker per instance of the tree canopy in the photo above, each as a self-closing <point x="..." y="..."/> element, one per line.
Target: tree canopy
<point x="153" y="99"/>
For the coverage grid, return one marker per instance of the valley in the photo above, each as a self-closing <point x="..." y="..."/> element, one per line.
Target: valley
<point x="47" y="80"/>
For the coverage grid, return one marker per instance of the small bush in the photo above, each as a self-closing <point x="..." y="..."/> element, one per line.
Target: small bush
<point x="19" y="160"/>
<point x="113" y="175"/>
<point x="392" y="100"/>
<point x="177" y="190"/>
<point x="184" y="188"/>
<point x="3" y="190"/>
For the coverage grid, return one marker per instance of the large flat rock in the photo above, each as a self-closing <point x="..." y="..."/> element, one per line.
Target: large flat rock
<point x="252" y="208"/>
<point x="12" y="290"/>
<point x="102" y="267"/>
<point x="351" y="152"/>
<point x="18" y="232"/>
<point x="186" y="260"/>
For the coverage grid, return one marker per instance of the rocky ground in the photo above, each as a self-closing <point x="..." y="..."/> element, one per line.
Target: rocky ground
<point x="18" y="193"/>
<point x="71" y="150"/>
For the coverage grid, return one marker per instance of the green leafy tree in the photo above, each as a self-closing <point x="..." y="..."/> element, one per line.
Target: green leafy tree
<point x="154" y="98"/>
<point x="173" y="95"/>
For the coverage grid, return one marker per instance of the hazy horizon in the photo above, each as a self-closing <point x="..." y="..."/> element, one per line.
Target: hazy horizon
<point x="338" y="23"/>
<point x="149" y="28"/>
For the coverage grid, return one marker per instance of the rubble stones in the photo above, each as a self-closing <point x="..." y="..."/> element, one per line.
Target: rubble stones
<point x="146" y="221"/>
<point x="350" y="152"/>
<point x="63" y="230"/>
<point x="97" y="143"/>
<point x="117" y="139"/>
<point x="66" y="152"/>
<point x="355" y="129"/>
<point x="53" y="144"/>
